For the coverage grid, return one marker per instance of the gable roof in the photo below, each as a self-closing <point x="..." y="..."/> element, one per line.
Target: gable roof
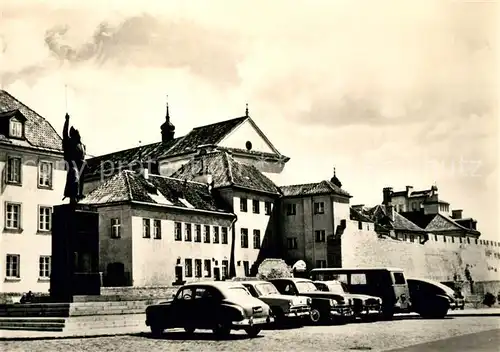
<point x="128" y="186"/>
<point x="436" y="222"/>
<point x="310" y="189"/>
<point x="38" y="131"/>
<point x="227" y="172"/>
<point x="199" y="136"/>
<point x="205" y="135"/>
<point x="380" y="216"/>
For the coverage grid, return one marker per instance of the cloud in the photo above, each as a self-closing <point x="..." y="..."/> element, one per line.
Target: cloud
<point x="145" y="41"/>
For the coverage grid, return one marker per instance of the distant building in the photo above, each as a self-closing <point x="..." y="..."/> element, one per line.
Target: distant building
<point x="33" y="178"/>
<point x="312" y="219"/>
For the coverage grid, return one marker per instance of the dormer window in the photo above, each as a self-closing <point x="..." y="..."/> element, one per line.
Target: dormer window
<point x="16" y="128"/>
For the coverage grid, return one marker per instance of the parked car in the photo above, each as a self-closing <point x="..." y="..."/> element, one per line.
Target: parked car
<point x="282" y="306"/>
<point x="459" y="296"/>
<point x="364" y="306"/>
<point x="384" y="282"/>
<point x="217" y="305"/>
<point x="325" y="306"/>
<point x="430" y="299"/>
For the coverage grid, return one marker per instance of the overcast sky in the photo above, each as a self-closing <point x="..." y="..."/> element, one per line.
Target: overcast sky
<point x="392" y="93"/>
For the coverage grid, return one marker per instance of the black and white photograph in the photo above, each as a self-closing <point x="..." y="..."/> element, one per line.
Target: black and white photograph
<point x="249" y="175"/>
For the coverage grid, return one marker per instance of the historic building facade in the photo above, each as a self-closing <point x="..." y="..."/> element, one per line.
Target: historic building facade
<point x="33" y="177"/>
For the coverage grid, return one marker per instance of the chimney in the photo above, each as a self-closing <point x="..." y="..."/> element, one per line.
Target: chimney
<point x="456" y="214"/>
<point x="387" y="195"/>
<point x="409" y="189"/>
<point x="389" y="209"/>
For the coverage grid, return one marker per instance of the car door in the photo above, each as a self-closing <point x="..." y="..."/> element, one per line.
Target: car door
<point x="182" y="308"/>
<point x="205" y="306"/>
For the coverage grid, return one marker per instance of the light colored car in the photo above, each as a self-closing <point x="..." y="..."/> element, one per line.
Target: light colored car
<point x="363" y="306"/>
<point x="221" y="306"/>
<point x="282" y="306"/>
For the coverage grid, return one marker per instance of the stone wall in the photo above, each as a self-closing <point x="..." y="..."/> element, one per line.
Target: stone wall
<point x="362" y="248"/>
<point x="161" y="292"/>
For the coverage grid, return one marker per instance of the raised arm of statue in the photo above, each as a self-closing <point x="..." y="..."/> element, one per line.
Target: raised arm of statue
<point x="65" y="129"/>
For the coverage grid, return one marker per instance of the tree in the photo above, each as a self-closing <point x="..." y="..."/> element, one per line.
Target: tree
<point x="273" y="269"/>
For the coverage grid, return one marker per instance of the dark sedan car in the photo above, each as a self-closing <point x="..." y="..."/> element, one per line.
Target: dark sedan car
<point x="220" y="306"/>
<point x="364" y="306"/>
<point x="325" y="306"/>
<point x="430" y="299"/>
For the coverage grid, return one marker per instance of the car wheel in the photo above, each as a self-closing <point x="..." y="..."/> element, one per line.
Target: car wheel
<point x="279" y="316"/>
<point x="222" y="329"/>
<point x="189" y="330"/>
<point x="156" y="330"/>
<point x="387" y="313"/>
<point x="315" y="316"/>
<point x="252" y="331"/>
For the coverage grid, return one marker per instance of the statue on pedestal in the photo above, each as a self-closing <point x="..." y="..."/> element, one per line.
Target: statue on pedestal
<point x="74" y="156"/>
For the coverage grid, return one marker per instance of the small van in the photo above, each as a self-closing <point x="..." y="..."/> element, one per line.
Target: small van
<point x="387" y="283"/>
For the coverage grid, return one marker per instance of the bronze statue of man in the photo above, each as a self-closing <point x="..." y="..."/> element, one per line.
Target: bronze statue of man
<point x="74" y="156"/>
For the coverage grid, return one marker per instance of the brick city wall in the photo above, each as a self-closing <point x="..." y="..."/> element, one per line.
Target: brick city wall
<point x="361" y="248"/>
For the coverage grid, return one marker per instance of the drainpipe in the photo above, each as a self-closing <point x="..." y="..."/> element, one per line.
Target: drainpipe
<point x="232" y="262"/>
<point x="333" y="233"/>
<point x="312" y="230"/>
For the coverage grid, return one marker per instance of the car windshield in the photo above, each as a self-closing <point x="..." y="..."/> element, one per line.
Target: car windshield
<point x="237" y="292"/>
<point x="336" y="287"/>
<point x="306" y="286"/>
<point x="266" y="289"/>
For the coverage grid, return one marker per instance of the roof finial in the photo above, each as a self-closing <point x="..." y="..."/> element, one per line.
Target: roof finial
<point x="66" y="97"/>
<point x="168" y="113"/>
<point x="334" y="171"/>
<point x="246" y="110"/>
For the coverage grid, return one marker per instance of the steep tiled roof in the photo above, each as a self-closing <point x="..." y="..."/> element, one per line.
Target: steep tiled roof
<point x="436" y="222"/>
<point x="399" y="223"/>
<point x="418" y="217"/>
<point x="123" y="158"/>
<point x="39" y="132"/>
<point x="310" y="189"/>
<point x="129" y="186"/>
<point x="357" y="216"/>
<point x="203" y="135"/>
<point x="227" y="172"/>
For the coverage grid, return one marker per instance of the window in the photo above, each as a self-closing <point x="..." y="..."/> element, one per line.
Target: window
<point x="12" y="266"/>
<point x="460" y="238"/>
<point x="208" y="267"/>
<point x="44" y="218"/>
<point x="44" y="267"/>
<point x="358" y="279"/>
<point x="197" y="233"/>
<point x="268" y="208"/>
<point x="255" y="206"/>
<point x="256" y="239"/>
<point x="115" y="228"/>
<point x="246" y="267"/>
<point x="360" y="225"/>
<point x="468" y="240"/>
<point x="216" y="234"/>
<point x="243" y="205"/>
<point x="188" y="267"/>
<point x="225" y="273"/>
<point x="178" y="231"/>
<point x="412" y="238"/>
<point x="291" y="243"/>
<point x="436" y="238"/>
<point x="146" y="228"/>
<point x="45" y="174"/>
<point x="157" y="229"/>
<point x="187" y="230"/>
<point x="206" y="234"/>
<point x="12" y="216"/>
<point x="224" y="235"/>
<point x="319" y="208"/>
<point x="320" y="235"/>
<point x="320" y="263"/>
<point x="452" y="239"/>
<point x="414" y="206"/>
<point x="444" y="239"/>
<point x="291" y="209"/>
<point x="476" y="240"/>
<point x="399" y="279"/>
<point x="197" y="267"/>
<point x="14" y="170"/>
<point x="244" y="238"/>
<point x="16" y="128"/>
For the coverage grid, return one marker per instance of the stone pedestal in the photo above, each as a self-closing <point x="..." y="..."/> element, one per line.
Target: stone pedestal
<point x="75" y="252"/>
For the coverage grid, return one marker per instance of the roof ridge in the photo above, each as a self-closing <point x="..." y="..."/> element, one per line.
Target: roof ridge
<point x="175" y="178"/>
<point x="124" y="150"/>
<point x="223" y="121"/>
<point x="127" y="183"/>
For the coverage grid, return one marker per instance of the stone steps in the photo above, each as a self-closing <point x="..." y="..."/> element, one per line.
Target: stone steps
<point x="35" y="310"/>
<point x="32" y="324"/>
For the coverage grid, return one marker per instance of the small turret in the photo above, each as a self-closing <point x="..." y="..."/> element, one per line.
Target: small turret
<point x="167" y="128"/>
<point x="335" y="180"/>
